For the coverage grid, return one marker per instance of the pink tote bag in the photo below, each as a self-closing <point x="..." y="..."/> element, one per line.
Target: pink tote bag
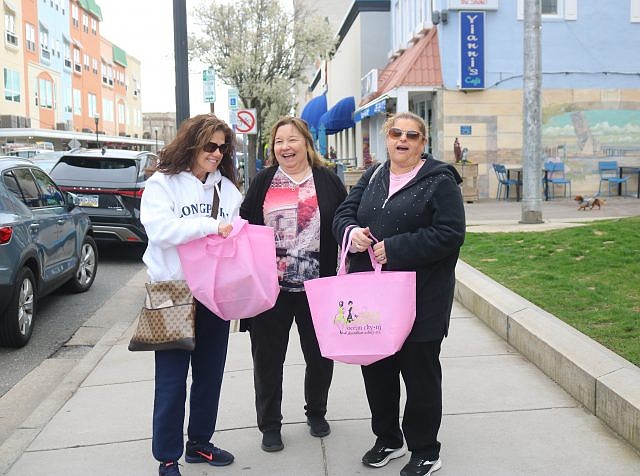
<point x="235" y="277"/>
<point x="361" y="318"/>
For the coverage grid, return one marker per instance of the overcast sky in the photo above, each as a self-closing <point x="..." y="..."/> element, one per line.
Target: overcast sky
<point x="144" y="29"/>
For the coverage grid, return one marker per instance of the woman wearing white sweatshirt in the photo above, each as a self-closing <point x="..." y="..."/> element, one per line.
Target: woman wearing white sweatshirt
<point x="177" y="208"/>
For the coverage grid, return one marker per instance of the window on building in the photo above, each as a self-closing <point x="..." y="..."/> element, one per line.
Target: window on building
<point x="30" y="36"/>
<point x="67" y="99"/>
<point x="56" y="4"/>
<point x="549" y="7"/>
<point x="11" y="85"/>
<point x="87" y="62"/>
<point x="10" y="28"/>
<point x="110" y="75"/>
<point x="95" y="66"/>
<point x="107" y="109"/>
<point x="44" y="44"/>
<point x="58" y="48"/>
<point x="67" y="54"/>
<point x="74" y="15"/>
<point x="77" y="102"/>
<point x="94" y="26"/>
<point x="46" y="93"/>
<point x="77" y="65"/>
<point x="122" y="114"/>
<point x="92" y="104"/>
<point x="85" y="23"/>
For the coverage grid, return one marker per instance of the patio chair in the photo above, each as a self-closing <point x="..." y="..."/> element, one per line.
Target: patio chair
<point x="608" y="171"/>
<point x="504" y="182"/>
<point x="556" y="176"/>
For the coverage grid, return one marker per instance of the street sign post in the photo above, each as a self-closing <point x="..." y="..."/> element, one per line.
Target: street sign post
<point x="247" y="121"/>
<point x="234" y="105"/>
<point x="209" y="85"/>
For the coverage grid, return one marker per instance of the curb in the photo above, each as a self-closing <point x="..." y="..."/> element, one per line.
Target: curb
<point x="605" y="383"/>
<point x="18" y="442"/>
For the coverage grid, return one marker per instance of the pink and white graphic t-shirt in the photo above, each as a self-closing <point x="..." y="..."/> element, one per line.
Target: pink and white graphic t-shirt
<point x="291" y="209"/>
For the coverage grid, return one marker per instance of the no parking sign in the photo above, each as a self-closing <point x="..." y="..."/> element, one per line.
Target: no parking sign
<point x="246" y="121"/>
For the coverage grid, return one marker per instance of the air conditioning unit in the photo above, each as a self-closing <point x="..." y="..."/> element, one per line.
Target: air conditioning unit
<point x="8" y="121"/>
<point x="86" y="129"/>
<point x="369" y="83"/>
<point x="63" y="126"/>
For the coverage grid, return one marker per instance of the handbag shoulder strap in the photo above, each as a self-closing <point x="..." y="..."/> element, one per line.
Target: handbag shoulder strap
<point x="215" y="206"/>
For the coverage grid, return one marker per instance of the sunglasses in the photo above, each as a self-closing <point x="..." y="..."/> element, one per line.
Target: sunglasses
<point x="211" y="147"/>
<point x="396" y="133"/>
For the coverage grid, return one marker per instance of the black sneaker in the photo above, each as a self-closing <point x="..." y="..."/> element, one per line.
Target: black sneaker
<point x="207" y="453"/>
<point x="272" y="441"/>
<point x="418" y="466"/>
<point x="318" y="426"/>
<point x="169" y="468"/>
<point x="380" y="455"/>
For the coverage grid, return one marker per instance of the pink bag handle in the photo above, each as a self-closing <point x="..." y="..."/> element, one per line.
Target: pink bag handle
<point x="214" y="241"/>
<point x="377" y="267"/>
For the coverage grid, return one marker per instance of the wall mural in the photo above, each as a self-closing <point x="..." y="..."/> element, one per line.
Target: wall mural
<point x="593" y="132"/>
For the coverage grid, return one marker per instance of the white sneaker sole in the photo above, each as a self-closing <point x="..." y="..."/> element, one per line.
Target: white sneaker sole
<point x="393" y="455"/>
<point x="437" y="465"/>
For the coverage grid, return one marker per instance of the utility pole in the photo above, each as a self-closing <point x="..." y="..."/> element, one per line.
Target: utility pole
<point x="532" y="114"/>
<point x="180" y="45"/>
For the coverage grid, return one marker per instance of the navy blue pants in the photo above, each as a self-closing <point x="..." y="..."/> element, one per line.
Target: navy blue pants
<point x="207" y="367"/>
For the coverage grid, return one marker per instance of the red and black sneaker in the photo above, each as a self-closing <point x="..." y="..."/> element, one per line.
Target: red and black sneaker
<point x="207" y="453"/>
<point x="169" y="468"/>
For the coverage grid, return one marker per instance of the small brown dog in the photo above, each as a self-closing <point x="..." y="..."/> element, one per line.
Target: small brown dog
<point x="588" y="202"/>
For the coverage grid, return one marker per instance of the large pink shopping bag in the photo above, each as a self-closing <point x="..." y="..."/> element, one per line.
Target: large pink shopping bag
<point x="235" y="277"/>
<point x="361" y="318"/>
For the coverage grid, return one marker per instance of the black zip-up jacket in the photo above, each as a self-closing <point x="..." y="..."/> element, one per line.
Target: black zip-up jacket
<point x="423" y="227"/>
<point x="330" y="192"/>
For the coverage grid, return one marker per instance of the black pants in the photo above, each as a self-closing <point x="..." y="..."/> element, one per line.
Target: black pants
<point x="269" y="340"/>
<point x="207" y="369"/>
<point x="419" y="364"/>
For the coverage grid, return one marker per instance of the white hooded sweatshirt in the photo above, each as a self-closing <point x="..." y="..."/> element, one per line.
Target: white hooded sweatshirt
<point x="176" y="209"/>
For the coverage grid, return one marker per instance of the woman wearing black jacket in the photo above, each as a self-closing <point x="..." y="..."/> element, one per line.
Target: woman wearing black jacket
<point x="412" y="204"/>
<point x="297" y="196"/>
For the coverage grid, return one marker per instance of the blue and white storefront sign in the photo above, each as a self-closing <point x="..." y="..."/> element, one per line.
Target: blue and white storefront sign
<point x="472" y="50"/>
<point x="371" y="110"/>
<point x="473" y="4"/>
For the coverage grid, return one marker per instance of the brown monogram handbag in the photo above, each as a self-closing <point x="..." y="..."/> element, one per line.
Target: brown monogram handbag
<point x="167" y="320"/>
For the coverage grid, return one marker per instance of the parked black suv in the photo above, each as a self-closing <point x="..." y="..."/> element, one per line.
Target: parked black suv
<point x="45" y="242"/>
<point x="109" y="184"/>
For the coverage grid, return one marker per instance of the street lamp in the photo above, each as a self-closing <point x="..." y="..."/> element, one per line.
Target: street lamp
<point x="155" y="129"/>
<point x="96" y="119"/>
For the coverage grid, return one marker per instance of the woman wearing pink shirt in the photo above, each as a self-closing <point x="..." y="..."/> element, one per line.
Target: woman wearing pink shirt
<point x="412" y="204"/>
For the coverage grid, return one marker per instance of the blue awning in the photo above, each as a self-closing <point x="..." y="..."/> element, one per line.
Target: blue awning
<point x="313" y="110"/>
<point x="340" y="116"/>
<point x="376" y="107"/>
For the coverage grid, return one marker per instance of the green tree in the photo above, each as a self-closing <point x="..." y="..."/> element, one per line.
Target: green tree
<point x="261" y="49"/>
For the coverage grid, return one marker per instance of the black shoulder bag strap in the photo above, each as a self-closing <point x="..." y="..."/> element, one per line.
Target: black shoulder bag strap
<point x="215" y="206"/>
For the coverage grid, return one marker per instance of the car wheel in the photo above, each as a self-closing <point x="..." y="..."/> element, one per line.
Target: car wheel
<point x="87" y="267"/>
<point x="17" y="323"/>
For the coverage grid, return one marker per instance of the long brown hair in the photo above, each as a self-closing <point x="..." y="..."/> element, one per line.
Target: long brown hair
<point x="193" y="135"/>
<point x="313" y="157"/>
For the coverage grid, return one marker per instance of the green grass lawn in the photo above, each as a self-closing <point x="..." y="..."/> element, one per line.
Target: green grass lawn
<point x="588" y="276"/>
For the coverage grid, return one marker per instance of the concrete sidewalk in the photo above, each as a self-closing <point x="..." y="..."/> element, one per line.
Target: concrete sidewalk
<point x="502" y="414"/>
